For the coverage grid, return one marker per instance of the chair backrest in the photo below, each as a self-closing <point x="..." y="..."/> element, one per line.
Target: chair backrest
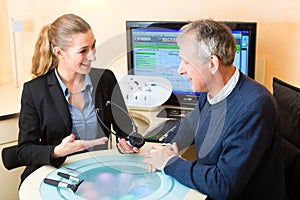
<point x="288" y="100"/>
<point x="10" y="158"/>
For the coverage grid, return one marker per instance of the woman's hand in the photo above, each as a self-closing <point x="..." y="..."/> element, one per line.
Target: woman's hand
<point x="69" y="145"/>
<point x="125" y="147"/>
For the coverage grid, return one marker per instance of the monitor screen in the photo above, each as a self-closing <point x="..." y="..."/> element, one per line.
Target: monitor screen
<point x="153" y="51"/>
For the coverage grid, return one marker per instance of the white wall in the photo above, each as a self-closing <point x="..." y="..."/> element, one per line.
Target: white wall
<point x="278" y="25"/>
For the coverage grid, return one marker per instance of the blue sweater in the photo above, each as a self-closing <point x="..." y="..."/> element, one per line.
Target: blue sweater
<point x="237" y="143"/>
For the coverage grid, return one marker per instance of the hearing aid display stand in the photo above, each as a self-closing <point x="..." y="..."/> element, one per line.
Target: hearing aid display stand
<point x="145" y="92"/>
<point x="108" y="170"/>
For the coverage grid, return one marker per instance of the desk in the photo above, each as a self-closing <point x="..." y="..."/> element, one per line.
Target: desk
<point x="31" y="185"/>
<point x="145" y="120"/>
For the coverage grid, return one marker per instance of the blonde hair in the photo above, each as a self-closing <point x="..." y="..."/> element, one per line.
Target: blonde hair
<point x="56" y="34"/>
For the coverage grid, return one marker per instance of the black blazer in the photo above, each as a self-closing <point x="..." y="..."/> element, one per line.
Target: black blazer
<point x="45" y="118"/>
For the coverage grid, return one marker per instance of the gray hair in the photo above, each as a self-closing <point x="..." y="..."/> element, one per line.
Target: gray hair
<point x="213" y="38"/>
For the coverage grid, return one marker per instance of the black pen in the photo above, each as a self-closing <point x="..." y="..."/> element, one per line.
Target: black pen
<point x="62" y="184"/>
<point x="67" y="176"/>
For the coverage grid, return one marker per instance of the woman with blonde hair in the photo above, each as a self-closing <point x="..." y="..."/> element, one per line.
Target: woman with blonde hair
<point x="58" y="115"/>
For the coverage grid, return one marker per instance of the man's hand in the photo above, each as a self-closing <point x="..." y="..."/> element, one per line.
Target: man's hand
<point x="69" y="145"/>
<point x="125" y="147"/>
<point x="158" y="156"/>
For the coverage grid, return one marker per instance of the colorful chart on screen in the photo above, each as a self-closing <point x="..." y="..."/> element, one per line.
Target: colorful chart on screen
<point x="122" y="177"/>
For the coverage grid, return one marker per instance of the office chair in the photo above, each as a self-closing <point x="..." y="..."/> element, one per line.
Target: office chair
<point x="288" y="101"/>
<point x="9" y="157"/>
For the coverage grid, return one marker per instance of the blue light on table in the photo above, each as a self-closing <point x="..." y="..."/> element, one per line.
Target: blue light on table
<point x="123" y="177"/>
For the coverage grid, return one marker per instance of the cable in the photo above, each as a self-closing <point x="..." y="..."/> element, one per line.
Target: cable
<point x="135" y="139"/>
<point x="134" y="128"/>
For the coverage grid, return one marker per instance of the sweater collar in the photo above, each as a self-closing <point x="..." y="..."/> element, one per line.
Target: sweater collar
<point x="226" y="90"/>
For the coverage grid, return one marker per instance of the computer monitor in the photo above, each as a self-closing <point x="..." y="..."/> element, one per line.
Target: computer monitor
<point x="152" y="50"/>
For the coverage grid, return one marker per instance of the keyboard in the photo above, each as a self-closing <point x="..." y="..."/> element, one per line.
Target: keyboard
<point x="161" y="130"/>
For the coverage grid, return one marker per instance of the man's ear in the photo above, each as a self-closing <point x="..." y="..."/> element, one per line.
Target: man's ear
<point x="214" y="64"/>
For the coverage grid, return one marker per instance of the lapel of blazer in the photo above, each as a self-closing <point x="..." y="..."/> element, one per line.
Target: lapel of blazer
<point x="95" y="75"/>
<point x="59" y="99"/>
